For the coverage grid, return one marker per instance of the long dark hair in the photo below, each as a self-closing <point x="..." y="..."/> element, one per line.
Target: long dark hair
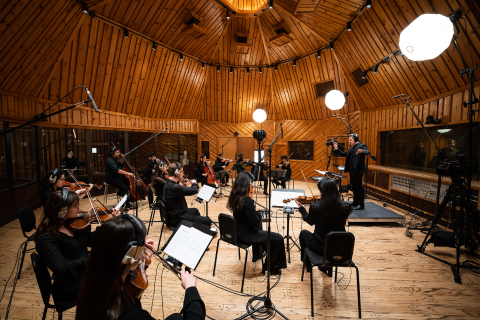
<point x="330" y="206"/>
<point x="158" y="173"/>
<point x="103" y="289"/>
<point x="50" y="221"/>
<point x="52" y="174"/>
<point x="240" y="191"/>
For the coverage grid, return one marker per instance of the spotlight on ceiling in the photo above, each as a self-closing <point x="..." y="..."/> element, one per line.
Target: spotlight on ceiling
<point x="260" y="69"/>
<point x="231" y="70"/>
<point x="349" y="26"/>
<point x="181" y="57"/>
<point x="154" y="46"/>
<point x="319" y="53"/>
<point x="426" y="37"/>
<point x="368" y="4"/>
<point x="276" y="67"/>
<point x="331" y="45"/>
<point x="335" y="100"/>
<point x="248" y="70"/>
<point x="375" y="68"/>
<point x="270" y="4"/>
<point x="203" y="65"/>
<point x="259" y="116"/>
<point x="228" y="14"/>
<point x="295" y="62"/>
<point x="364" y="75"/>
<point x="218" y="68"/>
<point x="84" y="7"/>
<point x="125" y="33"/>
<point x="431" y="120"/>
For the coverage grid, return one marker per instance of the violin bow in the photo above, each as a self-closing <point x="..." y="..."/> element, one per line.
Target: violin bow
<point x="88" y="195"/>
<point x="164" y="262"/>
<point x="306" y="182"/>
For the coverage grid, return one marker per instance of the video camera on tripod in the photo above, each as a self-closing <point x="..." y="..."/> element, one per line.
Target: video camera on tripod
<point x="454" y="169"/>
<point x="331" y="141"/>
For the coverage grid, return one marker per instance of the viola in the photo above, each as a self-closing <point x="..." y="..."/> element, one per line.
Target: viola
<point x="303" y="200"/>
<point x="86" y="218"/>
<point x="137" y="285"/>
<point x="80" y="185"/>
<point x="210" y="176"/>
<point x="135" y="184"/>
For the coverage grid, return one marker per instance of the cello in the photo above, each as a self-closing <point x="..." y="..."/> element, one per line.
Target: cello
<point x="210" y="176"/>
<point x="135" y="184"/>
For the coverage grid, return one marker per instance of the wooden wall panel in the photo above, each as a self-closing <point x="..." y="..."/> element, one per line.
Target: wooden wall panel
<point x="33" y="35"/>
<point x="376" y="33"/>
<point x="245" y="4"/>
<point x="126" y="75"/>
<point x="449" y="108"/>
<point x="294" y="88"/>
<point x="233" y="97"/>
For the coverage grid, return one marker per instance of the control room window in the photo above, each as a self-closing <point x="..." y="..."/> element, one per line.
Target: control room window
<point x="302" y="150"/>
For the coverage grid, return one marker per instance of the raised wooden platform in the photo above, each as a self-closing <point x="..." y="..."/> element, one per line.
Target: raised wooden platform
<point x="396" y="282"/>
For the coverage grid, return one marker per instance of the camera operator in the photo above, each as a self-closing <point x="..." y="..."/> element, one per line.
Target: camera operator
<point x="355" y="165"/>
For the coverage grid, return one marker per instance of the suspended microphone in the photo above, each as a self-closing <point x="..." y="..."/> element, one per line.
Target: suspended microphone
<point x="168" y="131"/>
<point x="91" y="100"/>
<point x="282" y="128"/>
<point x="74" y="134"/>
<point x="69" y="141"/>
<point x="400" y="95"/>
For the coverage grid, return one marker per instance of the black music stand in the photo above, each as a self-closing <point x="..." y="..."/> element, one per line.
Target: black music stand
<point x="278" y="174"/>
<point x="239" y="166"/>
<point x="219" y="176"/>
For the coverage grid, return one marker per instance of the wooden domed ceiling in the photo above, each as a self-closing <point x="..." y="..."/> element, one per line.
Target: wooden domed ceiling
<point x="49" y="47"/>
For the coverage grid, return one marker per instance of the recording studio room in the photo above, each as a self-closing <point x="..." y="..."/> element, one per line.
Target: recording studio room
<point x="239" y="159"/>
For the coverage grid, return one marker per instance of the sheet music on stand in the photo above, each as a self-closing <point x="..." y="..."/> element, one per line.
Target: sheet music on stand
<point x="278" y="195"/>
<point x="206" y="193"/>
<point x="189" y="243"/>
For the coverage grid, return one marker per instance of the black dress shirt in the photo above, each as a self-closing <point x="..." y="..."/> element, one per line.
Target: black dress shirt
<point x="44" y="195"/>
<point x="219" y="164"/>
<point x="355" y="163"/>
<point x="174" y="198"/>
<point x="70" y="163"/>
<point x="111" y="169"/>
<point x="286" y="167"/>
<point x="147" y="171"/>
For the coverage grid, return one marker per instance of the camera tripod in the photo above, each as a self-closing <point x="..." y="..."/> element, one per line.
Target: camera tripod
<point x="463" y="225"/>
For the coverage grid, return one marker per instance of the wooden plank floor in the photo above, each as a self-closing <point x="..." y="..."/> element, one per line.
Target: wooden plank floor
<point x="396" y="282"/>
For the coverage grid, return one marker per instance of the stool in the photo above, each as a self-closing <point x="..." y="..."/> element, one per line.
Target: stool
<point x="288" y="181"/>
<point x="105" y="193"/>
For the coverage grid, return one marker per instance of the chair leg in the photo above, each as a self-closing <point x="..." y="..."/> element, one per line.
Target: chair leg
<point x="152" y="217"/>
<point x="216" y="254"/>
<point x="160" y="238"/>
<point x="60" y="316"/>
<point x="311" y="289"/>
<point x="238" y="253"/>
<point x="303" y="266"/>
<point x="244" y="267"/>
<point x="358" y="294"/>
<point x="45" y="313"/>
<point x="336" y="268"/>
<point x="23" y="258"/>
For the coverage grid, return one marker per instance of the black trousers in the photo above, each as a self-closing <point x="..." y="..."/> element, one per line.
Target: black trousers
<point x="357" y="187"/>
<point x="192" y="215"/>
<point x="281" y="181"/>
<point x="264" y="179"/>
<point x="308" y="240"/>
<point x="122" y="188"/>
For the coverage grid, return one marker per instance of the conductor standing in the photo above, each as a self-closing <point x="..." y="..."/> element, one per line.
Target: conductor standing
<point x="355" y="165"/>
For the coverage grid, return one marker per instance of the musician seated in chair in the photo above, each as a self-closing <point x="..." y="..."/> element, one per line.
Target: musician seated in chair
<point x="201" y="175"/>
<point x="52" y="182"/>
<point x="106" y="293"/>
<point x="159" y="179"/>
<point x="221" y="165"/>
<point x="249" y="225"/>
<point x="329" y="213"/>
<point x="63" y="250"/>
<point x="174" y="198"/>
<point x="148" y="170"/>
<point x="285" y="165"/>
<point x="241" y="160"/>
<point x="258" y="174"/>
<point x="114" y="174"/>
<point x="70" y="162"/>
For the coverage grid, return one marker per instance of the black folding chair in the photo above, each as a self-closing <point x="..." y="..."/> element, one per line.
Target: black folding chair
<point x="164" y="220"/>
<point x="228" y="233"/>
<point x="45" y="284"/>
<point x="337" y="252"/>
<point x="27" y="223"/>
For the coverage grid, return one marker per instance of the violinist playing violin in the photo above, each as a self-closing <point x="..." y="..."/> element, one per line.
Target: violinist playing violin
<point x="240" y="160"/>
<point x="105" y="293"/>
<point x="327" y="214"/>
<point x="114" y="171"/>
<point x="285" y="165"/>
<point x="222" y="164"/>
<point x="259" y="175"/>
<point x="63" y="250"/>
<point x="201" y="174"/>
<point x="54" y="181"/>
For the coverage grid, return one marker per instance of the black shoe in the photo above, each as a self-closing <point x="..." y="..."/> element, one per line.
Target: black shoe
<point x="265" y="193"/>
<point x="327" y="271"/>
<point x="359" y="207"/>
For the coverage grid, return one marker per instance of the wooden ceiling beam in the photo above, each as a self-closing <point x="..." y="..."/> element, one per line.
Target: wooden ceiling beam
<point x="263" y="40"/>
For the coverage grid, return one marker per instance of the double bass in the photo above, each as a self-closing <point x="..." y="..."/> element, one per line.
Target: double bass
<point x="135" y="184"/>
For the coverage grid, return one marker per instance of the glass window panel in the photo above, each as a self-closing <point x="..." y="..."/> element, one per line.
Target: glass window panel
<point x="300" y="150"/>
<point x="23" y="155"/>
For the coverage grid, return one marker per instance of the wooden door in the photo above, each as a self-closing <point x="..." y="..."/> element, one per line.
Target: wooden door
<point x="229" y="150"/>
<point x="246" y="145"/>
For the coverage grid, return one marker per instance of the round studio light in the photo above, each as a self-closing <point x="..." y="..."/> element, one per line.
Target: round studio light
<point x="426" y="37"/>
<point x="259" y="115"/>
<point x="334" y="100"/>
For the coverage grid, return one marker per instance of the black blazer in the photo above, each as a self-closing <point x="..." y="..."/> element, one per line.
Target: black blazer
<point x="358" y="160"/>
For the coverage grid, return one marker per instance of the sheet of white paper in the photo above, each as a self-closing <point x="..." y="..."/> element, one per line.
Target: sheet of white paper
<point x="321" y="172"/>
<point x="206" y="193"/>
<point x="188" y="245"/>
<point x="120" y="204"/>
<point x="279" y="196"/>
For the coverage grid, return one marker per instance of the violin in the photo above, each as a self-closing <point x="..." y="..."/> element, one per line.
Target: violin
<point x="86" y="218"/>
<point x="227" y="160"/>
<point x="80" y="185"/>
<point x="303" y="200"/>
<point x="137" y="285"/>
<point x="286" y="162"/>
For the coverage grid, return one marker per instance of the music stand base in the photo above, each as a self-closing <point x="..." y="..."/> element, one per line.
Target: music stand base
<point x="268" y="306"/>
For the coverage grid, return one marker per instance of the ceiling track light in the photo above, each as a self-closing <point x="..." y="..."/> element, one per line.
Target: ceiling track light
<point x="218" y="68"/>
<point x="181" y="57"/>
<point x="154" y="46"/>
<point x="368" y="4"/>
<point x="248" y="70"/>
<point x="228" y="14"/>
<point x="125" y="33"/>
<point x="270" y="4"/>
<point x="203" y="65"/>
<point x="319" y="54"/>
<point x="349" y="26"/>
<point x="375" y="68"/>
<point x="295" y="62"/>
<point x="364" y="75"/>
<point x="84" y="7"/>
<point x="231" y="70"/>
<point x="260" y="69"/>
<point x="331" y="46"/>
<point x="276" y="67"/>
